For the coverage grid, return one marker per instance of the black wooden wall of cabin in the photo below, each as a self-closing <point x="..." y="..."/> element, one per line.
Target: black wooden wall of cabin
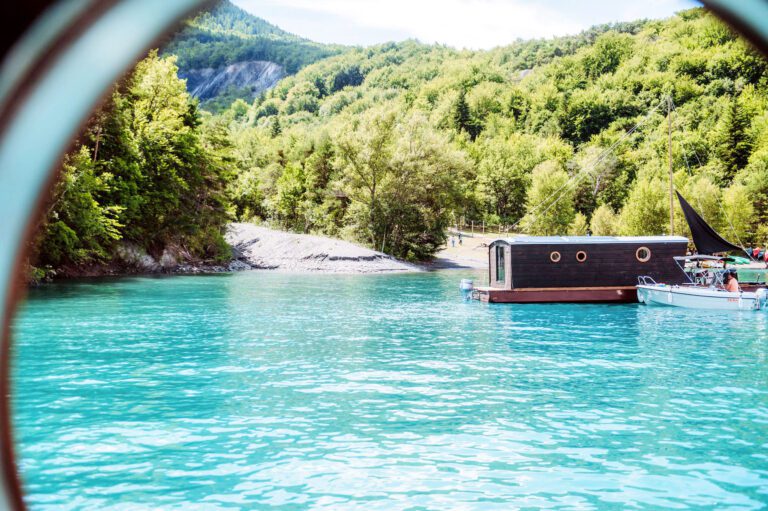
<point x="606" y="265"/>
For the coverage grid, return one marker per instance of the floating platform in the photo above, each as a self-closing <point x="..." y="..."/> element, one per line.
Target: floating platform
<point x="603" y="294"/>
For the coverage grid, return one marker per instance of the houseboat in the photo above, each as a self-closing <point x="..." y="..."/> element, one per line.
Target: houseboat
<point x="531" y="269"/>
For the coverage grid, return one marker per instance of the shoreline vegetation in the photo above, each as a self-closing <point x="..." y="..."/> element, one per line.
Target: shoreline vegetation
<point x="389" y="146"/>
<point x="255" y="247"/>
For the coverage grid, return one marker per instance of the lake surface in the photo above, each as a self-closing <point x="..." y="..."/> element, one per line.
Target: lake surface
<point x="263" y="390"/>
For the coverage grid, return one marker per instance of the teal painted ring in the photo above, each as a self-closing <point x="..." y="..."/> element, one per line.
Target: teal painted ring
<point x="37" y="122"/>
<point x="49" y="83"/>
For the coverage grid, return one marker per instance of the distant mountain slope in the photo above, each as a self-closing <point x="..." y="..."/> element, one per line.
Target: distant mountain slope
<point x="211" y="43"/>
<point x="253" y="76"/>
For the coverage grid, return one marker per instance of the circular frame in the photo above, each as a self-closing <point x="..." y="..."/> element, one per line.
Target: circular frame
<point x="643" y="259"/>
<point x="581" y="256"/>
<point x="554" y="256"/>
<point x="51" y="69"/>
<point x="32" y="67"/>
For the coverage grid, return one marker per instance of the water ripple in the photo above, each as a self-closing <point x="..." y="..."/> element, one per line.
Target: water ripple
<point x="273" y="391"/>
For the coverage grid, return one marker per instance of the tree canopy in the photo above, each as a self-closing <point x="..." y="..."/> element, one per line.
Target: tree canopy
<point x="565" y="104"/>
<point x="389" y="145"/>
<point x="147" y="170"/>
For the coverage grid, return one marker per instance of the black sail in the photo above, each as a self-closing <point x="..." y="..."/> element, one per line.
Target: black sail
<point x="705" y="238"/>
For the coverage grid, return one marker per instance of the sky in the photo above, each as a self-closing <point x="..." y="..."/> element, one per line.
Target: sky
<point x="474" y="24"/>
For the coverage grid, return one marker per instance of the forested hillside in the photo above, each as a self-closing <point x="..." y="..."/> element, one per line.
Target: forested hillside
<point x="228" y="35"/>
<point x="389" y="145"/>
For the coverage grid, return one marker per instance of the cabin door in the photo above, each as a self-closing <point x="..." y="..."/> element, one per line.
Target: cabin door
<point x="508" y="267"/>
<point x="499" y="264"/>
<point x="502" y="267"/>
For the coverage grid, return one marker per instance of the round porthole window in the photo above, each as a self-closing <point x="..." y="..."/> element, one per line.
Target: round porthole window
<point x="554" y="257"/>
<point x="581" y="256"/>
<point x="643" y="254"/>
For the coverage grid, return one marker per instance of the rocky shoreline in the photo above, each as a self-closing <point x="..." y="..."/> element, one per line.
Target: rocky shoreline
<point x="264" y="248"/>
<point x="253" y="248"/>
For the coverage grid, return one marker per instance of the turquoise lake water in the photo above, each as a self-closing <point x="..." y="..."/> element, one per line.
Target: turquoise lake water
<point x="263" y="390"/>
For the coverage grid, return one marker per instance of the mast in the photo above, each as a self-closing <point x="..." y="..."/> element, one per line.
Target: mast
<point x="671" y="174"/>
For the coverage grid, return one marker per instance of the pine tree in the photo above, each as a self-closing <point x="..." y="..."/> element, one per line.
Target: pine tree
<point x="462" y="117"/>
<point x="735" y="144"/>
<point x="275" y="129"/>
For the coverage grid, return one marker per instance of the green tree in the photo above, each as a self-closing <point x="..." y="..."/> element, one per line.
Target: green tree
<point x="579" y="226"/>
<point x="402" y="179"/>
<point x="646" y="211"/>
<point x="462" y="116"/>
<point x="147" y="172"/>
<point x="275" y="128"/>
<point x="79" y="228"/>
<point x="502" y="179"/>
<point x="365" y="152"/>
<point x="550" y="201"/>
<point x="739" y="213"/>
<point x="607" y="53"/>
<point x="504" y="171"/>
<point x="604" y="222"/>
<point x="734" y="142"/>
<point x="288" y="202"/>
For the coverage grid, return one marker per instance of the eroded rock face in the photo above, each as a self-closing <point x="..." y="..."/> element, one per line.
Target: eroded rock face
<point x="136" y="257"/>
<point x="256" y="75"/>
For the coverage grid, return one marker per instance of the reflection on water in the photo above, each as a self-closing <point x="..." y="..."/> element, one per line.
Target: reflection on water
<point x="265" y="390"/>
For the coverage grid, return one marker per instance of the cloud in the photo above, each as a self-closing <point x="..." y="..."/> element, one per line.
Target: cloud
<point x="460" y="23"/>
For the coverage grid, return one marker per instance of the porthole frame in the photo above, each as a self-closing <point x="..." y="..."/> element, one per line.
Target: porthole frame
<point x="555" y="256"/>
<point x="581" y="256"/>
<point x="643" y="259"/>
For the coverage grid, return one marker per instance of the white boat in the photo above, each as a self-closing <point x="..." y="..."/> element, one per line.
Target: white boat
<point x="700" y="294"/>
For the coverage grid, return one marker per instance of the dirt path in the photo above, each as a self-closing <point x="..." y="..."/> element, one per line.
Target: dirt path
<point x="265" y="248"/>
<point x="471" y="253"/>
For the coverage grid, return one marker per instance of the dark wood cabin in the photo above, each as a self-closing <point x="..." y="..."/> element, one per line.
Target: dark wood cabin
<point x="578" y="268"/>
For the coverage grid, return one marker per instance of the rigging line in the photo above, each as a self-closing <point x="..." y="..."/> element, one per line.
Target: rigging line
<point x="685" y="146"/>
<point x="574" y="180"/>
<point x="578" y="177"/>
<point x="719" y="202"/>
<point x="735" y="233"/>
<point x="682" y="142"/>
<point x="685" y="132"/>
<point x="677" y="123"/>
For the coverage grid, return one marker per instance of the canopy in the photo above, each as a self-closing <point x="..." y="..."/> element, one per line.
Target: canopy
<point x="698" y="257"/>
<point x="705" y="238"/>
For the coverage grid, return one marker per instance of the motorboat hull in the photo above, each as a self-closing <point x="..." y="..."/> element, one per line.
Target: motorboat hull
<point x="694" y="297"/>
